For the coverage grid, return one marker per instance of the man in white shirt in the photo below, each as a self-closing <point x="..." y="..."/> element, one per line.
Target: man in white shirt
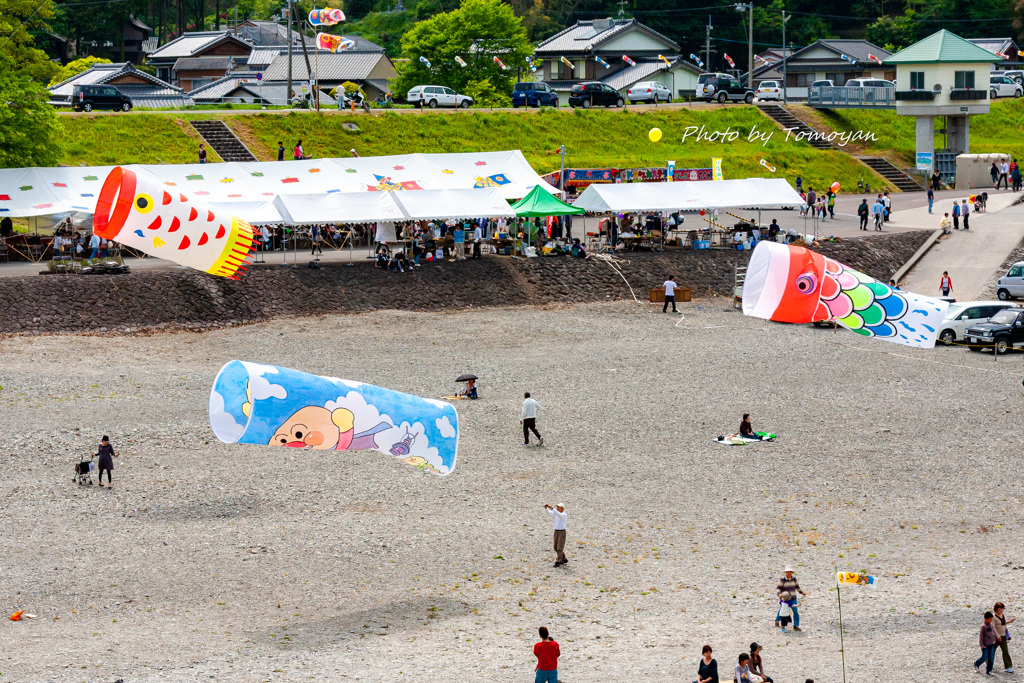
<point x="670" y="294"/>
<point x="1004" y="174"/>
<point x="478" y="235"/>
<point x="887" y="204"/>
<point x="529" y="419"/>
<point x="559" y="515"/>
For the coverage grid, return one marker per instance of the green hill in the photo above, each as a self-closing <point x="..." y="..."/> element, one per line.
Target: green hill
<point x="594" y="139"/>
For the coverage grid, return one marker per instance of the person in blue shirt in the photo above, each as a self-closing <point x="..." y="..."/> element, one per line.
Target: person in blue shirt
<point x="931" y="198"/>
<point x="460" y="243"/>
<point x="876" y="211"/>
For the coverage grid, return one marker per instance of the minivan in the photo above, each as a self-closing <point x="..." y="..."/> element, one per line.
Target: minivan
<point x="89" y="97"/>
<point x="534" y="94"/>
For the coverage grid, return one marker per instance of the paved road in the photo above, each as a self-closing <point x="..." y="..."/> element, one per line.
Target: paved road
<point x="971" y="256"/>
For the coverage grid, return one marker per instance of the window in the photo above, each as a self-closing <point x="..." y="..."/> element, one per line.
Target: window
<point x="799" y="80"/>
<point x="838" y="79"/>
<point x="1016" y="271"/>
<point x="963" y="79"/>
<point x="449" y="91"/>
<point x="972" y="313"/>
<point x="917" y="80"/>
<point x="109" y="91"/>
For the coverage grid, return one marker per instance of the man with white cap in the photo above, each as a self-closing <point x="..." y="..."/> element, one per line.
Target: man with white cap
<point x="789" y="584"/>
<point x="559" y="515"/>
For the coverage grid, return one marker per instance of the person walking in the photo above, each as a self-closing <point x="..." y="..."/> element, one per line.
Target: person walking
<point x="936" y="181"/>
<point x="956" y="215"/>
<point x="965" y="213"/>
<point x="876" y="212"/>
<point x="106" y="460"/>
<point x="528" y="418"/>
<point x="670" y="294"/>
<point x="1015" y="177"/>
<point x="314" y="238"/>
<point x="547" y="654"/>
<point x="887" y="203"/>
<point x="994" y="172"/>
<point x="299" y="154"/>
<point x="202" y="153"/>
<point x="707" y="668"/>
<point x="559" y="515"/>
<point x="832" y="205"/>
<point x="945" y="284"/>
<point x="756" y="665"/>
<point x="94" y="243"/>
<point x="987" y="642"/>
<point x="1004" y="175"/>
<point x="812" y="198"/>
<point x="999" y="623"/>
<point x="931" y="199"/>
<point x="280" y="151"/>
<point x="789" y="584"/>
<point x="863" y="212"/>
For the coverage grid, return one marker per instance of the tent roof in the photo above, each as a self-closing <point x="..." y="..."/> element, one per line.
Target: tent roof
<point x="542" y="203"/>
<point x="401" y="205"/>
<point x="688" y="196"/>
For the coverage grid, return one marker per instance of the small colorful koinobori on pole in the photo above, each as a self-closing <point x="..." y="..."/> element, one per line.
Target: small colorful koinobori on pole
<point x="732" y="64"/>
<point x="627" y="60"/>
<point x="460" y="61"/>
<point x="856" y="579"/>
<point x="326" y="41"/>
<point x="499" y="63"/>
<point x="142" y="213"/>
<point x="425" y="61"/>
<point x="326" y="17"/>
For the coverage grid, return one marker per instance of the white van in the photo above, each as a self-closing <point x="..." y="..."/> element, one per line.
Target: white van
<point x="1011" y="285"/>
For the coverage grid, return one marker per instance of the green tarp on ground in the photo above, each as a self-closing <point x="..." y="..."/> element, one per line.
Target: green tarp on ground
<point x="539" y="203"/>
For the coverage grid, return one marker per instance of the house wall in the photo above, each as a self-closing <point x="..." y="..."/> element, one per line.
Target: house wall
<point x="944" y="75"/>
<point x="228" y="48"/>
<point x="636" y="41"/>
<point x="682" y="83"/>
<point x="384" y="70"/>
<point x="186" y="78"/>
<point x="129" y="79"/>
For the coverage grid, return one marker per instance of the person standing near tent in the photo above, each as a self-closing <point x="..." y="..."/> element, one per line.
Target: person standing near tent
<point x="568" y="228"/>
<point x="670" y="294"/>
<point x="202" y="153"/>
<point x="528" y="418"/>
<point x="478" y="235"/>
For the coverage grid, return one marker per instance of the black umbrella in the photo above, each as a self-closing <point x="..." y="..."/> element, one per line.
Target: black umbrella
<point x="465" y="378"/>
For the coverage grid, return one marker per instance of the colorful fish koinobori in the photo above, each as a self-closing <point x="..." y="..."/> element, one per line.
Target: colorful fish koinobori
<point x="793" y="284"/>
<point x="326" y="17"/>
<point x="326" y="41"/>
<point x="854" y="577"/>
<point x="140" y="212"/>
<point x="275" y="406"/>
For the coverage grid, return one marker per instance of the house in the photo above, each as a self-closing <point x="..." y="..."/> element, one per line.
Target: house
<point x="595" y="51"/>
<point x="243" y="87"/>
<point x="144" y="89"/>
<point x="371" y="70"/>
<point x="942" y="75"/>
<point x="206" y="56"/>
<point x="1001" y="47"/>
<point x="837" y="60"/>
<point x="266" y="33"/>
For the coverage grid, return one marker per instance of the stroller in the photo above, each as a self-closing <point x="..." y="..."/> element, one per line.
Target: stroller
<point x="83" y="471"/>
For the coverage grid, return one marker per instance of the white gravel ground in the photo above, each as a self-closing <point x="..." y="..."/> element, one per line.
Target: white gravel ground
<point x="246" y="563"/>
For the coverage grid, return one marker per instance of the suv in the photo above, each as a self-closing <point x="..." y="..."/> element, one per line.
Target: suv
<point x="1003" y="331"/>
<point x="89" y="97"/>
<point x="725" y="88"/>
<point x="869" y="83"/>
<point x="1004" y="86"/>
<point x="1015" y="75"/>
<point x="435" y="96"/>
<point x="594" y="93"/>
<point x="962" y="315"/>
<point x="649" y="91"/>
<point x="703" y="78"/>
<point x="1011" y="285"/>
<point x="533" y="94"/>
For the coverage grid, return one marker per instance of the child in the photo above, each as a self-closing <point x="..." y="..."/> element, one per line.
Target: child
<point x="785" y="609"/>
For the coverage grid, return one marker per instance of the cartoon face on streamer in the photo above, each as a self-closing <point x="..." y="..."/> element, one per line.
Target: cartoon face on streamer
<point x="784" y="283"/>
<point x="324" y="430"/>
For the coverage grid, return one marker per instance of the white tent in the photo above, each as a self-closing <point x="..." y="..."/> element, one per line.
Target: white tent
<point x="347" y="207"/>
<point x="688" y="196"/>
<point x="253" y="213"/>
<point x="42" y="191"/>
<point x="485" y="203"/>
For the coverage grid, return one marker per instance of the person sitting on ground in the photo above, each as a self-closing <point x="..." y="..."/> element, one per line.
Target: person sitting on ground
<point x="470" y="391"/>
<point x="383" y="260"/>
<point x="746" y="431"/>
<point x="773" y="231"/>
<point x="400" y="262"/>
<point x="579" y="250"/>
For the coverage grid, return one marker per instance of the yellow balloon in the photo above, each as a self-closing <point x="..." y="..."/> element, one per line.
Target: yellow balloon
<point x="655" y="134"/>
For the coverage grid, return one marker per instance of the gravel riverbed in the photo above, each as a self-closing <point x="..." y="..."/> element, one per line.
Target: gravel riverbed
<point x="224" y="562"/>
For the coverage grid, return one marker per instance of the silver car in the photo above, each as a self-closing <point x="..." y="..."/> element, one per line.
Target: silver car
<point x="1011" y="285"/>
<point x="1004" y="86"/>
<point x="649" y="91"/>
<point x="435" y="96"/>
<point x="963" y="314"/>
<point x="769" y="90"/>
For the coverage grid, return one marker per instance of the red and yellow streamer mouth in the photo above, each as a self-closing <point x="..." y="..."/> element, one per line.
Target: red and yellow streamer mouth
<point x="111" y="214"/>
<point x="237" y="252"/>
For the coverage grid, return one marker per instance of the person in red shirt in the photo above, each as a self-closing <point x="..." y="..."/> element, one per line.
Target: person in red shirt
<point x="547" y="653"/>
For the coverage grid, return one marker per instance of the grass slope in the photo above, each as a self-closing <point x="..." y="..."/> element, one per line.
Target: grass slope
<point x="594" y="139"/>
<point x="131" y="139"/>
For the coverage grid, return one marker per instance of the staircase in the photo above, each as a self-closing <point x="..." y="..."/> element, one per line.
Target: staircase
<point x="787" y="120"/>
<point x="222" y="140"/>
<point x="884" y="168"/>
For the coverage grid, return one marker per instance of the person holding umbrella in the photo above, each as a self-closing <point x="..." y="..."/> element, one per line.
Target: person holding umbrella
<point x="470" y="391"/>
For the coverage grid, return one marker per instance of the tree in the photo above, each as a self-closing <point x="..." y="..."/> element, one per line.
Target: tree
<point x="18" y="18"/>
<point x="477" y="32"/>
<point x="30" y="132"/>
<point x="76" y="67"/>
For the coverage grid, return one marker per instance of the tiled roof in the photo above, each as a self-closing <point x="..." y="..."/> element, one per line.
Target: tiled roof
<point x="103" y="73"/>
<point x="943" y="47"/>
<point x="222" y="86"/>
<point x="1000" y="45"/>
<point x="632" y="74"/>
<point x="263" y="56"/>
<point x="266" y="33"/>
<point x="583" y="37"/>
<point x="858" y="49"/>
<point x="190" y="43"/>
<point x="202" y="64"/>
<point x="156" y="97"/>
<point x="330" y="66"/>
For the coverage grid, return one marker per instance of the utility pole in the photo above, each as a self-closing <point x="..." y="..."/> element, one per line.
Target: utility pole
<point x="750" y="53"/>
<point x="785" y="57"/>
<point x="288" y="38"/>
<point x="561" y="176"/>
<point x="707" y="44"/>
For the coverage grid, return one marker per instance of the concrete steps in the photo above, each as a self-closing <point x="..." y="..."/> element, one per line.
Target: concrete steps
<point x="885" y="168"/>
<point x="222" y="140"/>
<point x="787" y="120"/>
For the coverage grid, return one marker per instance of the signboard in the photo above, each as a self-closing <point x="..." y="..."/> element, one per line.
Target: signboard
<point x="924" y="161"/>
<point x="671" y="170"/>
<point x="716" y="165"/>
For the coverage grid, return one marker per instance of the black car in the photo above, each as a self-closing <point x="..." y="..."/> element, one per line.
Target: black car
<point x="89" y="97"/>
<point x="595" y="94"/>
<point x="1004" y="330"/>
<point x="725" y="89"/>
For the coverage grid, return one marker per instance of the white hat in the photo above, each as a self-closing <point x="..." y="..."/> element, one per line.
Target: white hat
<point x="789" y="568"/>
<point x="559" y="505"/>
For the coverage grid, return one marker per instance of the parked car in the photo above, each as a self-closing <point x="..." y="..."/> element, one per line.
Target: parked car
<point x="769" y="90"/>
<point x="649" y="91"/>
<point x="89" y="97"/>
<point x="726" y="89"/>
<point x="1005" y="330"/>
<point x="870" y="83"/>
<point x="1011" y="285"/>
<point x="1015" y="75"/>
<point x="823" y="84"/>
<point x="961" y="315"/>
<point x="595" y="94"/>
<point x="703" y="78"/>
<point x="535" y="94"/>
<point x="1004" y="86"/>
<point x="435" y="96"/>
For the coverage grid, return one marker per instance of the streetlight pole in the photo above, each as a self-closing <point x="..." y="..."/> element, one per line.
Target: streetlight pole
<point x="561" y="177"/>
<point x="785" y="58"/>
<point x="288" y="92"/>
<point x="749" y="7"/>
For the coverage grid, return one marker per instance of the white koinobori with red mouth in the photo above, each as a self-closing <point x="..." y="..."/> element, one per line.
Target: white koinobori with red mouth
<point x="143" y="213"/>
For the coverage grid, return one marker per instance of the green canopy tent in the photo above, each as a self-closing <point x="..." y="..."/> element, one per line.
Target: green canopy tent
<point x="539" y="203"/>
